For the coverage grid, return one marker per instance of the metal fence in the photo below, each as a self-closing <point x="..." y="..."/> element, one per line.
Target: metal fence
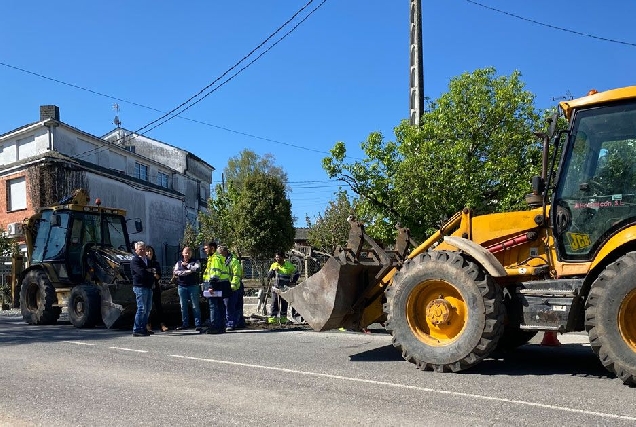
<point x="306" y="266"/>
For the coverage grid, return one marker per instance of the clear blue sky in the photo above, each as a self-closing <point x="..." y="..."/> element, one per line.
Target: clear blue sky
<point x="340" y="75"/>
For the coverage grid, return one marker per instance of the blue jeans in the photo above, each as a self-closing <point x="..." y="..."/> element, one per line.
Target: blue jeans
<point x="217" y="313"/>
<point x="234" y="308"/>
<point x="191" y="293"/>
<point x="144" y="305"/>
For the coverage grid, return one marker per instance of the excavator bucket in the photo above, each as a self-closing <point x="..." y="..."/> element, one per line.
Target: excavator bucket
<point x="335" y="296"/>
<point x="326" y="299"/>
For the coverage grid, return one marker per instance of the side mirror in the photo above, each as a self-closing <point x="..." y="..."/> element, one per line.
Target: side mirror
<point x="535" y="199"/>
<point x="138" y="225"/>
<point x="538" y="185"/>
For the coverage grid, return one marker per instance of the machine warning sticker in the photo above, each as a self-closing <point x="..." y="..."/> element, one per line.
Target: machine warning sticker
<point x="579" y="241"/>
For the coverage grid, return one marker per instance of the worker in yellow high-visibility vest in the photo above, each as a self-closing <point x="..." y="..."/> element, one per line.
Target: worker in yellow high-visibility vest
<point x="234" y="302"/>
<point x="284" y="274"/>
<point x="217" y="280"/>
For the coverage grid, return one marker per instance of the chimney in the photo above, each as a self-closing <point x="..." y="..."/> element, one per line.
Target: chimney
<point x="49" y="112"/>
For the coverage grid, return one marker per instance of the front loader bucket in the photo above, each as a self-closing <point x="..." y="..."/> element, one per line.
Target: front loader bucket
<point x="326" y="299"/>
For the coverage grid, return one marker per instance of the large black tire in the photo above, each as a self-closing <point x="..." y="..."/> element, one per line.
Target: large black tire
<point x="444" y="312"/>
<point x="84" y="306"/>
<point x="610" y="318"/>
<point x="38" y="299"/>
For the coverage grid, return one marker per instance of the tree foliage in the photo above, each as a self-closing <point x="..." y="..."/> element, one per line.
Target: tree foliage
<point x="247" y="163"/>
<point x="189" y="237"/>
<point x="331" y="228"/>
<point x="263" y="216"/>
<point x="251" y="213"/>
<point x="218" y="224"/>
<point x="475" y="147"/>
<point x="6" y="244"/>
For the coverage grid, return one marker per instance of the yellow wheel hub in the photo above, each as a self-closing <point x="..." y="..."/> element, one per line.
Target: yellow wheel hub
<point x="627" y="319"/>
<point x="436" y="312"/>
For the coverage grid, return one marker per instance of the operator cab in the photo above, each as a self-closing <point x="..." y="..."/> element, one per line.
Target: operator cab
<point x="595" y="194"/>
<point x="65" y="236"/>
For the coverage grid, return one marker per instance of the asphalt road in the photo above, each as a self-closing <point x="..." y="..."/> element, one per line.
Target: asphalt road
<point x="61" y="376"/>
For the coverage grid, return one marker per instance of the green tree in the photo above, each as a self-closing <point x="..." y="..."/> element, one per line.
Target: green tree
<point x="475" y="147"/>
<point x="6" y="245"/>
<point x="190" y="237"/>
<point x="331" y="228"/>
<point x="263" y="217"/>
<point x="217" y="223"/>
<point x="247" y="163"/>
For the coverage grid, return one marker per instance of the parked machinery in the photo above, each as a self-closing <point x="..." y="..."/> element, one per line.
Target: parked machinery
<point x="566" y="264"/>
<point x="79" y="258"/>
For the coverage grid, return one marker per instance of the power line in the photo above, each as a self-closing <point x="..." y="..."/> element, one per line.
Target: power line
<point x="230" y="69"/>
<point x="94" y="92"/>
<point x="180" y="108"/>
<point x="554" y="27"/>
<point x="126" y="101"/>
<point x="235" y="74"/>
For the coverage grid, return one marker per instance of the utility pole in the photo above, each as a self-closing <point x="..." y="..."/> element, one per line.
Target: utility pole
<point x="416" y="75"/>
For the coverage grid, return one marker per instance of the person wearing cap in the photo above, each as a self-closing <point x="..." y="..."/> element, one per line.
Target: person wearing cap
<point x="217" y="282"/>
<point x="234" y="303"/>
<point x="284" y="274"/>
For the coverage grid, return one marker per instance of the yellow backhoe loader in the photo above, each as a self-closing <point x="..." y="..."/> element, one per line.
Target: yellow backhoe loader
<point x="79" y="258"/>
<point x="568" y="263"/>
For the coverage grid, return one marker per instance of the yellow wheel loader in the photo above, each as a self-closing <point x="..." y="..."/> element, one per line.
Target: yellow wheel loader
<point x="79" y="258"/>
<point x="568" y="263"/>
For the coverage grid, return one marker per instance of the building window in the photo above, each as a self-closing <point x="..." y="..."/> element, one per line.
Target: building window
<point x="141" y="171"/>
<point x="16" y="194"/>
<point x="130" y="148"/>
<point x="162" y="179"/>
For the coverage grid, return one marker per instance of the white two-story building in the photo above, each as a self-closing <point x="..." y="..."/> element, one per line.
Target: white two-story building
<point x="44" y="161"/>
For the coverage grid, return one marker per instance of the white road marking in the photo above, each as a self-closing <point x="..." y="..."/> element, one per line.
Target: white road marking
<point x="410" y="387"/>
<point x="78" y="342"/>
<point x="128" y="349"/>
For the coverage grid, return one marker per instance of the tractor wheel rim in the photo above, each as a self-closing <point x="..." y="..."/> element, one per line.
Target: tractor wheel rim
<point x="626" y="320"/>
<point x="436" y="312"/>
<point x="79" y="306"/>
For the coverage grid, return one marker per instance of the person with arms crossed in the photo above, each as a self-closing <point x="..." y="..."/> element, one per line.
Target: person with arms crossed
<point x="186" y="272"/>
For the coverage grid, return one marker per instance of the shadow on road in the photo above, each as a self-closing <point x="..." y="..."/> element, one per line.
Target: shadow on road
<point x="570" y="359"/>
<point x="14" y="331"/>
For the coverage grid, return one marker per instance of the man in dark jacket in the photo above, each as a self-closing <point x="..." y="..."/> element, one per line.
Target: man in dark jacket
<point x="143" y="280"/>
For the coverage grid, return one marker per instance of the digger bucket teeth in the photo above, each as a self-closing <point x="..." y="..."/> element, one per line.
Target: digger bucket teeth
<point x="326" y="299"/>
